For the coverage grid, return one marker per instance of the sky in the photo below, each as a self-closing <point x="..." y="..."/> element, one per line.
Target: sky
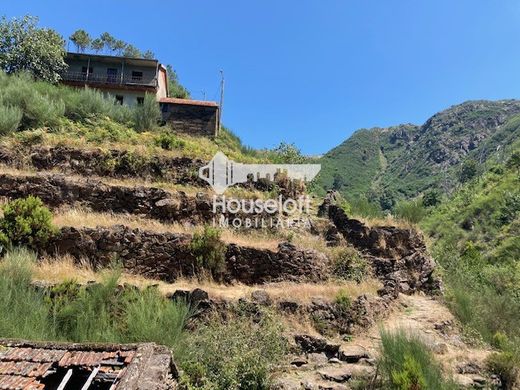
<point x="312" y="72"/>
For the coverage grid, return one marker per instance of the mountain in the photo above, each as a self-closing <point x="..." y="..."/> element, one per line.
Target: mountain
<point x="401" y="162"/>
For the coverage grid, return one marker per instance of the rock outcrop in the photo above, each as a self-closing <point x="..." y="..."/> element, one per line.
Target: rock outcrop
<point x="398" y="256"/>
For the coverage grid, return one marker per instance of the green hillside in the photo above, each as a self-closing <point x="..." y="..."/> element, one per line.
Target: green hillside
<point x="476" y="239"/>
<point x="401" y="162"/>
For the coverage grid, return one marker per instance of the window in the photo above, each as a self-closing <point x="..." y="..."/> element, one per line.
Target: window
<point x="140" y="100"/>
<point x="119" y="99"/>
<point x="137" y="76"/>
<point x="111" y="75"/>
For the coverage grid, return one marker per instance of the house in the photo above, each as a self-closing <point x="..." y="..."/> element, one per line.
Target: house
<point x="127" y="79"/>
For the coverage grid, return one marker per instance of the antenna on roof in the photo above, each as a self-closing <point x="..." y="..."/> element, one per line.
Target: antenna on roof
<point x="221" y="105"/>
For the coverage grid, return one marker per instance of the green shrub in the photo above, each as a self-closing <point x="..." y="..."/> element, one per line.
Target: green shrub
<point x="236" y="354"/>
<point x="362" y="207"/>
<point x="506" y="366"/>
<point x="10" y="119"/>
<point x="349" y="265"/>
<point x="26" y="222"/>
<point x="209" y="251"/>
<point x="343" y="301"/>
<point x="412" y="211"/>
<point x="37" y="109"/>
<point x="148" y="114"/>
<point x="169" y="141"/>
<point x="410" y="376"/>
<point x="407" y="364"/>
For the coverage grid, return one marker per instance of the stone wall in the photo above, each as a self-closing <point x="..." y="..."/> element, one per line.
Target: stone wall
<point x="57" y="190"/>
<point x="398" y="256"/>
<point x="123" y="164"/>
<point x="197" y="120"/>
<point x="167" y="256"/>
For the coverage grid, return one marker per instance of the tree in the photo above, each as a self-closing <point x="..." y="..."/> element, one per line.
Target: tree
<point x="175" y="89"/>
<point x="108" y="41"/>
<point x="468" y="171"/>
<point x="25" y="47"/>
<point x="119" y="46"/>
<point x="97" y="45"/>
<point x="132" y="51"/>
<point x="288" y="154"/>
<point x="431" y="198"/>
<point x="149" y="55"/>
<point x="338" y="182"/>
<point x="81" y="40"/>
<point x="514" y="161"/>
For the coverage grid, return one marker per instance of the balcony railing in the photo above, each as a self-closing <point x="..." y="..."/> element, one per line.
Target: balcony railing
<point x="98" y="78"/>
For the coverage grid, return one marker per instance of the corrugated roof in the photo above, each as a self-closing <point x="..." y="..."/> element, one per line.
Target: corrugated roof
<point x="189" y="102"/>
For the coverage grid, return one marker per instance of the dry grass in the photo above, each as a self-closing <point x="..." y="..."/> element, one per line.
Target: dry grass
<point x="388" y="220"/>
<point x="81" y="217"/>
<point x="55" y="270"/>
<point x="135" y="182"/>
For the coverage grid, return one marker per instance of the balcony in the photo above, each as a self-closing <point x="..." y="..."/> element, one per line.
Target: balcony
<point x="98" y="78"/>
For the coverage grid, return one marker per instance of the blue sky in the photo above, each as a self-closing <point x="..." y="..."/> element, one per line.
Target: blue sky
<point x="312" y="72"/>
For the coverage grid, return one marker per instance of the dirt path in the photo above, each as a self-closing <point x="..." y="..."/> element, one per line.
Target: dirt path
<point x="419" y="314"/>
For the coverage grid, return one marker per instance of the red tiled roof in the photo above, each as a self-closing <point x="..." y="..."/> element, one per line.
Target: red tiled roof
<point x="206" y="103"/>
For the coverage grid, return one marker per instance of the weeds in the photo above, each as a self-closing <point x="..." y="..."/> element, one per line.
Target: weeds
<point x="407" y="364"/>
<point x="236" y="354"/>
<point x="210" y="251"/>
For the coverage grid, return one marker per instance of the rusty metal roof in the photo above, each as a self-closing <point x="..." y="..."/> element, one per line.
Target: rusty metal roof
<point x="189" y="102"/>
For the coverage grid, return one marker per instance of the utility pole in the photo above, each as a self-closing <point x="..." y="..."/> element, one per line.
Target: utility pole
<point x="221" y="101"/>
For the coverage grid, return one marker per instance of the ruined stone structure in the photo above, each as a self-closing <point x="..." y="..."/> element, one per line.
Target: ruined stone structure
<point x="194" y="117"/>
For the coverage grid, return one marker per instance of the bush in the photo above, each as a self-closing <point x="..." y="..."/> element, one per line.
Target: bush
<point x="343" y="301"/>
<point x="26" y="222"/>
<point x="147" y="115"/>
<point x="38" y="109"/>
<point x="10" y="119"/>
<point x="169" y="141"/>
<point x="506" y="366"/>
<point x="210" y="251"/>
<point x="411" y="211"/>
<point x="407" y="364"/>
<point x="349" y="265"/>
<point x="236" y="354"/>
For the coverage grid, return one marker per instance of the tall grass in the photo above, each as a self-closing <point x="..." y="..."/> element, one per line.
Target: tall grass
<point x="408" y="364"/>
<point x="23" y="310"/>
<point x="103" y="312"/>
